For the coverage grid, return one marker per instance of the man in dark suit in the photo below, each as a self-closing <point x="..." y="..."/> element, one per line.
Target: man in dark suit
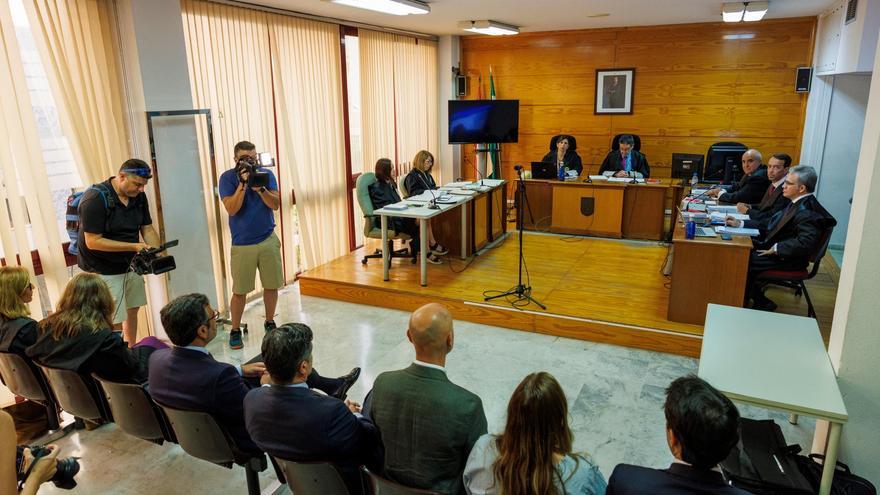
<point x="791" y="236"/>
<point x="188" y="377"/>
<point x="428" y="424"/>
<point x="701" y="428"/>
<point x="289" y="421"/>
<point x="751" y="187"/>
<point x="773" y="200"/>
<point x="625" y="162"/>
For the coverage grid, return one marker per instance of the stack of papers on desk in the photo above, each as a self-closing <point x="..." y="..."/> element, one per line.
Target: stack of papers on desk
<point x="462" y="192"/>
<point x="454" y="185"/>
<point x="720" y="216"/>
<point x="396" y="206"/>
<point x="736" y="231"/>
<point x="625" y="179"/>
<point x="729" y="209"/>
<point x="477" y="187"/>
<point x="598" y="177"/>
<point x="491" y="182"/>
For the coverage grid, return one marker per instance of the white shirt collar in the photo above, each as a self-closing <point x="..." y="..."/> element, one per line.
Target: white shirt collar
<point x="780" y="181"/>
<point x="801" y="197"/>
<point x="429" y="365"/>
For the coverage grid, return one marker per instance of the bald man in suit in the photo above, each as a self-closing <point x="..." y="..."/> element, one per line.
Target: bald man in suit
<point x="751" y="187"/>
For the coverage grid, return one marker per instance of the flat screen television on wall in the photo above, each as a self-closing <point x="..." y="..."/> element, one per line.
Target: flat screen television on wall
<point x="483" y="121"/>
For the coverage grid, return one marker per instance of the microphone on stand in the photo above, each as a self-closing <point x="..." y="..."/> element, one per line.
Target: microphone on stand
<point x="432" y="205"/>
<point x="479" y="174"/>
<point x="633" y="181"/>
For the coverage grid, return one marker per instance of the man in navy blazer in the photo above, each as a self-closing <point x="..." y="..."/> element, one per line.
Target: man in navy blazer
<point x="188" y="377"/>
<point x="701" y="428"/>
<point x="289" y="421"/>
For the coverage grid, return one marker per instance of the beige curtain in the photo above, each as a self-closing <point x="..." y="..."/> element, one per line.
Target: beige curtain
<point x="24" y="175"/>
<point x="399" y="97"/>
<point x="230" y="71"/>
<point x="77" y="40"/>
<point x="377" y="97"/>
<point x="308" y="92"/>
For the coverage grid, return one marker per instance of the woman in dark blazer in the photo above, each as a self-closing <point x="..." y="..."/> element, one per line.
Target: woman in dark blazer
<point x="79" y="336"/>
<point x="562" y="149"/>
<point x="383" y="192"/>
<point x="18" y="330"/>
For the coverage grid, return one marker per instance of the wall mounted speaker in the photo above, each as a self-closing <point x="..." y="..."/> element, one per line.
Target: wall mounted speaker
<point x="804" y="77"/>
<point x="461" y="85"/>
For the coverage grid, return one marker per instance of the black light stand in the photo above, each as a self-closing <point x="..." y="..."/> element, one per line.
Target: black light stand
<point x="521" y="291"/>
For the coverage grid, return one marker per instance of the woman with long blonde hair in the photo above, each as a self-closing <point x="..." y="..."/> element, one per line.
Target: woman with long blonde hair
<point x="18" y="330"/>
<point x="533" y="456"/>
<point x="79" y="336"/>
<point x="419" y="180"/>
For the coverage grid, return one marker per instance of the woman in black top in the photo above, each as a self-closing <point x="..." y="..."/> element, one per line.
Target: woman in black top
<point x="419" y="180"/>
<point x="562" y="149"/>
<point x="17" y="329"/>
<point x="383" y="192"/>
<point x="79" y="336"/>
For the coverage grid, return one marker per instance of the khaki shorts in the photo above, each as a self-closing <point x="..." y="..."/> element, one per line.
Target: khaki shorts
<point x="135" y="294"/>
<point x="246" y="260"/>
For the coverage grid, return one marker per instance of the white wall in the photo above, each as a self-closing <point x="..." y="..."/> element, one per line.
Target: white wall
<point x="854" y="346"/>
<point x="448" y="56"/>
<point x="843" y="133"/>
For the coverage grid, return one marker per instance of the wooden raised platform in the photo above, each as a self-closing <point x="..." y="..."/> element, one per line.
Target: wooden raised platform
<point x="594" y="289"/>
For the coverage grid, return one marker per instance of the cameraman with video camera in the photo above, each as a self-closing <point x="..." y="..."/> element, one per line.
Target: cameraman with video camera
<point x="250" y="195"/>
<point x="114" y="216"/>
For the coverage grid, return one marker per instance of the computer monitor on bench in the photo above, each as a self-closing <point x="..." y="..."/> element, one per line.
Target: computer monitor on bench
<point x="724" y="163"/>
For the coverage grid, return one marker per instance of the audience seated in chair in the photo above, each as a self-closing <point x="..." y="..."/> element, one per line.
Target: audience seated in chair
<point x="289" y="421"/>
<point x="701" y="428"/>
<point x="188" y="377"/>
<point x="534" y="452"/>
<point x="791" y="236"/>
<point x="428" y="424"/>
<point x="18" y="330"/>
<point x="79" y="335"/>
<point x="752" y="186"/>
<point x="626" y="161"/>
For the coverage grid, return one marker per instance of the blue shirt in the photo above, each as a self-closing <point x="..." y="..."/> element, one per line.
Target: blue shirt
<point x="254" y="222"/>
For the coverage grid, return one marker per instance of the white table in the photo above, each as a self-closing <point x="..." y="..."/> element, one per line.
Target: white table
<point x="422" y="213"/>
<point x="777" y="362"/>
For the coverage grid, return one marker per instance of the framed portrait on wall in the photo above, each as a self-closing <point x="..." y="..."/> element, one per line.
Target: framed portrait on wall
<point x="614" y="91"/>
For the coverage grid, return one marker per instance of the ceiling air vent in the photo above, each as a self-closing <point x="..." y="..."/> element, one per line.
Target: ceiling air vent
<point x="850" y="11"/>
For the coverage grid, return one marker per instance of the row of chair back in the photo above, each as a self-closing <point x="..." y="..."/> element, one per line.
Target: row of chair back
<point x="132" y="408"/>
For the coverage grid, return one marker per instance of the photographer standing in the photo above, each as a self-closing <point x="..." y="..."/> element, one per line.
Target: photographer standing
<point x="254" y="243"/>
<point x="114" y="216"/>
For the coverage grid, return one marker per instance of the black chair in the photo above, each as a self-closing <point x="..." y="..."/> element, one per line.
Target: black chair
<point x="572" y="142"/>
<point x="135" y="412"/>
<point x="28" y="382"/>
<point x="637" y="142"/>
<point x="312" y="478"/>
<point x="382" y="486"/>
<point x="77" y="394"/>
<point x="200" y="436"/>
<point x="795" y="279"/>
<point x="724" y="162"/>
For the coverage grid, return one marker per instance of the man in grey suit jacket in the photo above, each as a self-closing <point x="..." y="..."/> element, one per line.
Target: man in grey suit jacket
<point x="427" y="423"/>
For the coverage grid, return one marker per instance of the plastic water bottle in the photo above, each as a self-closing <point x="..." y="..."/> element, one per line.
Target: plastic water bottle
<point x="561" y="172"/>
<point x="694" y="180"/>
<point x="690" y="230"/>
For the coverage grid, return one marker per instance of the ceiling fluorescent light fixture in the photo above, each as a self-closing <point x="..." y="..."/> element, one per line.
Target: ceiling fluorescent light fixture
<point x="492" y="28"/>
<point x="732" y="11"/>
<point x="755" y="11"/>
<point x="394" y="7"/>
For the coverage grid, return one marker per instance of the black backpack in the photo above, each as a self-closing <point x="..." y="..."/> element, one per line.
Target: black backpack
<point x="845" y="483"/>
<point x="72" y="215"/>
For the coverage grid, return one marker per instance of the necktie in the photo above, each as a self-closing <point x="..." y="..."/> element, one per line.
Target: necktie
<point x="780" y="220"/>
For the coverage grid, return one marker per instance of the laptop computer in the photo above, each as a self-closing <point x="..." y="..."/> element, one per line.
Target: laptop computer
<point x="543" y="170"/>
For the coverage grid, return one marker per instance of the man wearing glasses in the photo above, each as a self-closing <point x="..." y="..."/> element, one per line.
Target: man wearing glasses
<point x="115" y="224"/>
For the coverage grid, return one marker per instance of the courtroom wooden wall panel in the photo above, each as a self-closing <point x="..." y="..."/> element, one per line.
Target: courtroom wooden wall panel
<point x="695" y="85"/>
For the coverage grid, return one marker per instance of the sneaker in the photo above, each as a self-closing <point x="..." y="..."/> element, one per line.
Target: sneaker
<point x="235" y="341"/>
<point x="433" y="259"/>
<point x="439" y="249"/>
<point x="270" y="325"/>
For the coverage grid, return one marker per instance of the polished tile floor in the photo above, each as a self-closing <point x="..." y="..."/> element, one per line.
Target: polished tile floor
<point x="615" y="394"/>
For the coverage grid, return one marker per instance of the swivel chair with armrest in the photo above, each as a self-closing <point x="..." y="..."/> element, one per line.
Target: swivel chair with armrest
<point x="372" y="223"/>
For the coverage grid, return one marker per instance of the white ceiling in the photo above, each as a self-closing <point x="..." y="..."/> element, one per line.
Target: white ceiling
<point x="545" y="15"/>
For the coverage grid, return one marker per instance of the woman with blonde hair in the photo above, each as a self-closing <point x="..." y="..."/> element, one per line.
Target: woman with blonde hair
<point x="79" y="336"/>
<point x="18" y="330"/>
<point x="419" y="180"/>
<point x="533" y="456"/>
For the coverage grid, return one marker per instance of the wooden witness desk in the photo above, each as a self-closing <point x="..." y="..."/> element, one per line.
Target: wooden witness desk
<point x="600" y="208"/>
<point x="485" y="219"/>
<point x="706" y="270"/>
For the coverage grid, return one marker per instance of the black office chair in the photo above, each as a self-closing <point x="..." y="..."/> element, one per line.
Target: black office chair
<point x="572" y="142"/>
<point x="200" y="436"/>
<point x="724" y="162"/>
<point x="29" y="382"/>
<point x="637" y="142"/>
<point x="312" y="478"/>
<point x="135" y="412"/>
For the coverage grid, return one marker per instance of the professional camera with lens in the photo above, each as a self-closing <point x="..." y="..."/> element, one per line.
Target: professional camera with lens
<point x="65" y="470"/>
<point x="148" y="261"/>
<point x="255" y="176"/>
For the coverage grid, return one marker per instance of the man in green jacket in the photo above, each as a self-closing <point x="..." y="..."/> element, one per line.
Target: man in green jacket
<point x="428" y="424"/>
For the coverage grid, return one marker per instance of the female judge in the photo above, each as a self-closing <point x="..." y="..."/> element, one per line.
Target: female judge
<point x="419" y="180"/>
<point x="562" y="151"/>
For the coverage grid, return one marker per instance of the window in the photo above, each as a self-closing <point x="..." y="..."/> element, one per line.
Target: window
<point x="355" y="134"/>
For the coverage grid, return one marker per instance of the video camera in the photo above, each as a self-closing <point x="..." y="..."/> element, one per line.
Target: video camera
<point x="148" y="261"/>
<point x="251" y="165"/>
